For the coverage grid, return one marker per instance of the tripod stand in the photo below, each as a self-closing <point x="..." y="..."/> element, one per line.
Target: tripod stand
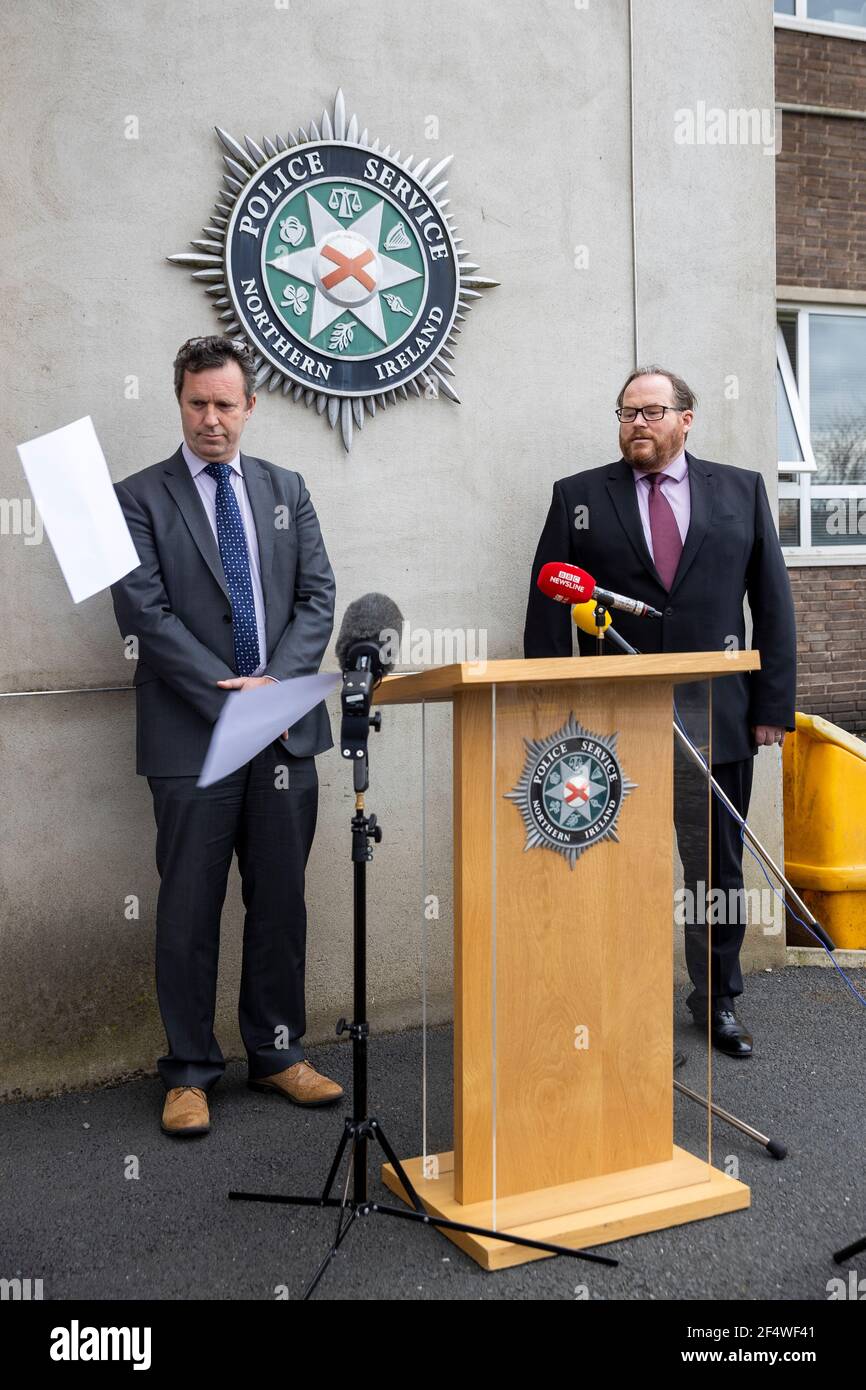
<point x="361" y="1128"/>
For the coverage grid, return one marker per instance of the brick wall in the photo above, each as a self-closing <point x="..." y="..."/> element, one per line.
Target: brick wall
<point x="831" y="643"/>
<point x="821" y="168"/>
<point x="820" y="70"/>
<point x="821" y="242"/>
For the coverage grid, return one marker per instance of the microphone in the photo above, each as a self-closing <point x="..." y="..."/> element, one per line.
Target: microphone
<point x="369" y="635"/>
<point x="583" y="616"/>
<point x="568" y="584"/>
<point x="366" y="648"/>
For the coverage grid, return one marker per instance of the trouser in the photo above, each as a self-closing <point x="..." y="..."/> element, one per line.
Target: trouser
<point x="270" y="826"/>
<point x="715" y="972"/>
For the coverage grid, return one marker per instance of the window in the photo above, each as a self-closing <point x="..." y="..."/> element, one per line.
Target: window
<point x="831" y="13"/>
<point x="845" y="18"/>
<point x="821" y="392"/>
<point x="794" y="447"/>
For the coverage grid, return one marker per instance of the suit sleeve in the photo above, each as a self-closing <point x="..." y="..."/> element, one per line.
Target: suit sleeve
<point x="301" y="646"/>
<point x="142" y="610"/>
<point x="774" y="632"/>
<point x="548" y="627"/>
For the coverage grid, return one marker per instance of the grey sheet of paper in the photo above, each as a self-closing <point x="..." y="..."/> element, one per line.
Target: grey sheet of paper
<point x="251" y="719"/>
<point x="72" y="489"/>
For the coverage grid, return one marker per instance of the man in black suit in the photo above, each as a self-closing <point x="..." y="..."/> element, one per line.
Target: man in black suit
<point x="691" y="538"/>
<point x="234" y="589"/>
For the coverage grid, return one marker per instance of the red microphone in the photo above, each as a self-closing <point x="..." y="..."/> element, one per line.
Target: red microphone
<point x="569" y="584"/>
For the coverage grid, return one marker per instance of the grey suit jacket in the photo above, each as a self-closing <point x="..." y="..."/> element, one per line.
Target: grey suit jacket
<point x="176" y="603"/>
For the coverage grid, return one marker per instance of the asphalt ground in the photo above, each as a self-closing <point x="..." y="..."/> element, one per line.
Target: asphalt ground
<point x="71" y="1216"/>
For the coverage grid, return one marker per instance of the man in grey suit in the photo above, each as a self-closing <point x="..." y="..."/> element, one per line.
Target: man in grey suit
<point x="234" y="589"/>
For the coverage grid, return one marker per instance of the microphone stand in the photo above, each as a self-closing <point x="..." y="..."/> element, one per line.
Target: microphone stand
<point x="600" y="614"/>
<point x="773" y="1146"/>
<point x="361" y="1128"/>
<point x="695" y="756"/>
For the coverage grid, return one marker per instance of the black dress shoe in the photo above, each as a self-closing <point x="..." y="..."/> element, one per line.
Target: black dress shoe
<point x="679" y="1060"/>
<point x="729" y="1035"/>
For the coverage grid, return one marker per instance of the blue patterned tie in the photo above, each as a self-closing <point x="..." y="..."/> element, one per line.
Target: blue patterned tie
<point x="236" y="564"/>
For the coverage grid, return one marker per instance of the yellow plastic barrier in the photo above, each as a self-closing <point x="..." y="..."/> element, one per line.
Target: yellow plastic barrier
<point x="824" y="779"/>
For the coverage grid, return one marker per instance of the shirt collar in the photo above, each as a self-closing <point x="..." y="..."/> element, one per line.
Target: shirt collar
<point x="195" y="464"/>
<point x="676" y="470"/>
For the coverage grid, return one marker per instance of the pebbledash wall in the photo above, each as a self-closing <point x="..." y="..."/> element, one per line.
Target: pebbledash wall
<point x="821" y="266"/>
<point x="438" y="505"/>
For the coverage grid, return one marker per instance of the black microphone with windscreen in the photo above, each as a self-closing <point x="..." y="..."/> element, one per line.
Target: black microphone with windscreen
<point x="371" y="628"/>
<point x="366" y="649"/>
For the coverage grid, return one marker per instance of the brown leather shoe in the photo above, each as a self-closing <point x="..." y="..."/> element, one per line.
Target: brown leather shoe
<point x="185" y="1111"/>
<point x="301" y="1084"/>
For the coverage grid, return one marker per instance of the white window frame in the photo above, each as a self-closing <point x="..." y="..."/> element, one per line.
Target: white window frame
<point x="802" y="487"/>
<point x="800" y="21"/>
<point x="807" y="463"/>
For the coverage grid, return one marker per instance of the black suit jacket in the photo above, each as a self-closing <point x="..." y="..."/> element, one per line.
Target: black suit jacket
<point x="176" y="603"/>
<point x="731" y="551"/>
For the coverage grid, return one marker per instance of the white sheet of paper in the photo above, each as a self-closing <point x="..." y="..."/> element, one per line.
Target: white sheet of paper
<point x="72" y="489"/>
<point x="251" y="719"/>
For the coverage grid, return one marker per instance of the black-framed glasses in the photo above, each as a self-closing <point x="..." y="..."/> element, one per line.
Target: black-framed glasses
<point x="627" y="413"/>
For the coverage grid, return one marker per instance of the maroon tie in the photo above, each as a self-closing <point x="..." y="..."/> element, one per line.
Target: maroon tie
<point x="667" y="542"/>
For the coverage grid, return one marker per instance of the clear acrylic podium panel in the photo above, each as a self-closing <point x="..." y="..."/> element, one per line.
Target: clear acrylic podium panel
<point x="580" y="1022"/>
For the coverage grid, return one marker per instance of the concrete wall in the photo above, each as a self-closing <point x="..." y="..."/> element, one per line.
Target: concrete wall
<point x="534" y="101"/>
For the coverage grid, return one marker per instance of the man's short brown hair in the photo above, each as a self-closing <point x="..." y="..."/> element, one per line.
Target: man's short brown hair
<point x="684" y="396"/>
<point x="197" y="354"/>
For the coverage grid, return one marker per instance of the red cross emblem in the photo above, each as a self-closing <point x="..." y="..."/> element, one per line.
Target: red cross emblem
<point x="576" y="791"/>
<point x="348" y="267"/>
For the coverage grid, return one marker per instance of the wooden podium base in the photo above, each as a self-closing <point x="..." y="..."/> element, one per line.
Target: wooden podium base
<point x="590" y="1212"/>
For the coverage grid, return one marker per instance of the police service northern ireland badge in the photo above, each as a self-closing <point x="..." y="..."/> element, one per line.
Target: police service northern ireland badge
<point x="338" y="264"/>
<point x="571" y="790"/>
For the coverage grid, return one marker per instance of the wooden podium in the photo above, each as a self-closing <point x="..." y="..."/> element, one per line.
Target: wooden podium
<point x="563" y="1092"/>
